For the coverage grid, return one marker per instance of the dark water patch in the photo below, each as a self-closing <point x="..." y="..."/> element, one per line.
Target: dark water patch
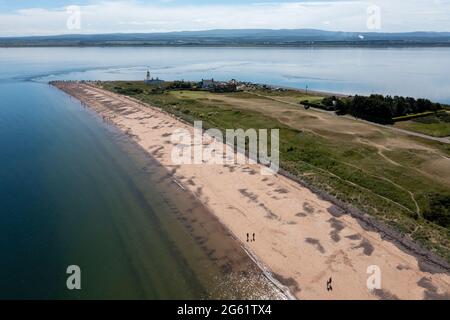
<point x="354" y="237"/>
<point x="288" y="282"/>
<point x="431" y="291"/>
<point x="337" y="226"/>
<point x="384" y="294"/>
<point x="282" y="190"/>
<point x="366" y="246"/>
<point x="269" y="213"/>
<point x="402" y="267"/>
<point x="316" y="243"/>
<point x="250" y="195"/>
<point x="335" y="211"/>
<point x="308" y="208"/>
<point x="230" y="168"/>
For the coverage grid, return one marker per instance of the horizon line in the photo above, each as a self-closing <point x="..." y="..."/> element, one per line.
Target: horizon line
<point x="219" y="29"/>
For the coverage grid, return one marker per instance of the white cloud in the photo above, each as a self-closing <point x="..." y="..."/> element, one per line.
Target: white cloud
<point x="130" y="16"/>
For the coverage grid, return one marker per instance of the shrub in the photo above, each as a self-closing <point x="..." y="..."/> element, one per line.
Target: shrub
<point x="439" y="210"/>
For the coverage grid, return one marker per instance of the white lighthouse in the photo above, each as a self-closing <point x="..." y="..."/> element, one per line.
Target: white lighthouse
<point x="150" y="80"/>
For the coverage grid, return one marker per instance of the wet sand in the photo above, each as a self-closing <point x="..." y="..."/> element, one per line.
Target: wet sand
<point x="211" y="253"/>
<point x="301" y="238"/>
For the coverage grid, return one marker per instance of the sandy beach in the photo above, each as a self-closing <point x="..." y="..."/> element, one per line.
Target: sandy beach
<point x="303" y="239"/>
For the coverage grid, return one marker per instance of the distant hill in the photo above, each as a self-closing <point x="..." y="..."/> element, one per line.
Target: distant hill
<point x="238" y="37"/>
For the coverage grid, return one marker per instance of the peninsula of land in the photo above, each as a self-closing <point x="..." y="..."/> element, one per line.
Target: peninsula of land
<point x="311" y="244"/>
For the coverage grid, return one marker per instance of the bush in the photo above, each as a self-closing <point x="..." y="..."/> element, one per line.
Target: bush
<point x="439" y="210"/>
<point x="128" y="91"/>
<point x="435" y="118"/>
<point x="381" y="109"/>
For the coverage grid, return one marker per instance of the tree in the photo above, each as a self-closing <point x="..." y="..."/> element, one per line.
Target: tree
<point x="439" y="210"/>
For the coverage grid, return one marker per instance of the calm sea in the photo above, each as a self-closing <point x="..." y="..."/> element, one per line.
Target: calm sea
<point x="74" y="191"/>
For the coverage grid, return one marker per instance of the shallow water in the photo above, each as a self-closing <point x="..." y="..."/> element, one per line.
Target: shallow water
<point x="418" y="72"/>
<point x="76" y="192"/>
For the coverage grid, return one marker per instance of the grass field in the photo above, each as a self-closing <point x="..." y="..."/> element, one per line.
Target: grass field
<point x="437" y="125"/>
<point x="390" y="175"/>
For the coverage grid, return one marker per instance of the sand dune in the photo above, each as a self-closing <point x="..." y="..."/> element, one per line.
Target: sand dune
<point x="304" y="240"/>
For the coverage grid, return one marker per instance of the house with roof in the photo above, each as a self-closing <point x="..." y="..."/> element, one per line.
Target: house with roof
<point x="208" y="84"/>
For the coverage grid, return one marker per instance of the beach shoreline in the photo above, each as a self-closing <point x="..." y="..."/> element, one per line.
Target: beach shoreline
<point x="288" y="243"/>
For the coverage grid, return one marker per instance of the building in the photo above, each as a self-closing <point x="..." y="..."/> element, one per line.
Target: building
<point x="208" y="84"/>
<point x="225" y="87"/>
<point x="218" y="86"/>
<point x="151" y="80"/>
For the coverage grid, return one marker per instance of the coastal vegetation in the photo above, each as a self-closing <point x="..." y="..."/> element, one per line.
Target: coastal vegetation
<point x="439" y="210"/>
<point x="378" y="108"/>
<point x="434" y="124"/>
<point x="417" y="115"/>
<point x="400" y="180"/>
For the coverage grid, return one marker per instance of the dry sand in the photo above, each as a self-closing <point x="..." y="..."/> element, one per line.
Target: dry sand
<point x="303" y="239"/>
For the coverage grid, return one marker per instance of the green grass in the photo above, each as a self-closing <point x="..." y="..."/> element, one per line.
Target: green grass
<point x="413" y="116"/>
<point x="436" y="125"/>
<point x="434" y="130"/>
<point x="352" y="172"/>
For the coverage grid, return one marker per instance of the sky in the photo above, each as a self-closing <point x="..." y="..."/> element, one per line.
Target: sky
<point x="26" y="17"/>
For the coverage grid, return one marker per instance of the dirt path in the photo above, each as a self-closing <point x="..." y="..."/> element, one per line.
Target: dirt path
<point x="410" y="133"/>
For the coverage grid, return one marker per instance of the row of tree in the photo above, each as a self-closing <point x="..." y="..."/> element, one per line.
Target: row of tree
<point x="379" y="108"/>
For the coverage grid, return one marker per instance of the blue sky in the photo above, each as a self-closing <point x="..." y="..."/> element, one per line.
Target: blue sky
<point x="26" y="17"/>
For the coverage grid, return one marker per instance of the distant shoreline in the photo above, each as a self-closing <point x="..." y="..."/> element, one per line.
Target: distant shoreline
<point x="226" y="45"/>
<point x="239" y="38"/>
